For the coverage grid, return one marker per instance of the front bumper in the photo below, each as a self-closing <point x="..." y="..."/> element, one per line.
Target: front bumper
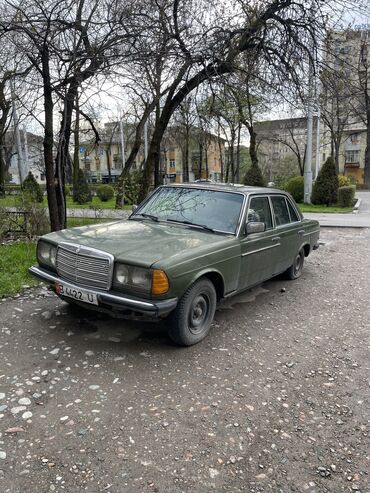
<point x="114" y="303"/>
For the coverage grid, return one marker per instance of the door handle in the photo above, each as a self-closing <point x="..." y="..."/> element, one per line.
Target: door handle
<point x="277" y="238"/>
<point x="301" y="232"/>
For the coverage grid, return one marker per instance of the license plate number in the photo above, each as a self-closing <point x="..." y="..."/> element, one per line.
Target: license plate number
<point x="77" y="294"/>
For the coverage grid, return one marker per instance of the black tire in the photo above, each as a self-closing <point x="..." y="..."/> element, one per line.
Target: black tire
<point x="295" y="270"/>
<point x="191" y="321"/>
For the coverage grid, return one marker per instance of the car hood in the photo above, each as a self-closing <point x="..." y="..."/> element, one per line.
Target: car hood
<point x="141" y="242"/>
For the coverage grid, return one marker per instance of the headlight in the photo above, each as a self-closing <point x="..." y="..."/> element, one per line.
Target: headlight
<point x="140" y="279"/>
<point x="46" y="253"/>
<point x="133" y="277"/>
<point x="121" y="274"/>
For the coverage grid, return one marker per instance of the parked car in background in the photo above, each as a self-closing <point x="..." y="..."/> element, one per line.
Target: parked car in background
<point x="181" y="251"/>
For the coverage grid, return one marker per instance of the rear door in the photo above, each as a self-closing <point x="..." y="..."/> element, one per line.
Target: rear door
<point x="288" y="230"/>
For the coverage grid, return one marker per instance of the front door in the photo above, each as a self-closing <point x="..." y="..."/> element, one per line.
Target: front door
<point x="259" y="251"/>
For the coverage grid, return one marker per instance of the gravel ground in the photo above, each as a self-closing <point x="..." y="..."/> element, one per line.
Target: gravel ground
<point x="274" y="400"/>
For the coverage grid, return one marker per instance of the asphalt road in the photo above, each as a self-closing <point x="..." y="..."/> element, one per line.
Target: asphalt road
<point x="364" y="195"/>
<point x="276" y="399"/>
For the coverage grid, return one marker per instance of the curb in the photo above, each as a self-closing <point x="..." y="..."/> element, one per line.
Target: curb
<point x="356" y="206"/>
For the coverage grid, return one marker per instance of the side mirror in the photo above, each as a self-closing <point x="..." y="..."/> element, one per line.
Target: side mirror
<point x="255" y="227"/>
<point x="134" y="207"/>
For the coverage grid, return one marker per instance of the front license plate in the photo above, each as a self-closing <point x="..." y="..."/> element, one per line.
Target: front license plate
<point x="77" y="294"/>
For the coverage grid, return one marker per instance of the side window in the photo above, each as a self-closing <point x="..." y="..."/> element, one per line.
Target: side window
<point x="281" y="210"/>
<point x="293" y="214"/>
<point x="259" y="210"/>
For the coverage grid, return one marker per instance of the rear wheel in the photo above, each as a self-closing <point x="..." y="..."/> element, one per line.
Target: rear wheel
<point x="295" y="270"/>
<point x="191" y="321"/>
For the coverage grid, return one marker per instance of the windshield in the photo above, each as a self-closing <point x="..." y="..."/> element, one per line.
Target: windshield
<point x="207" y="208"/>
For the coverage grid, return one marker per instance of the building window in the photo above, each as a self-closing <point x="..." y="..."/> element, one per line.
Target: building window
<point x="172" y="163"/>
<point x="352" y="157"/>
<point x="354" y="138"/>
<point x="42" y="177"/>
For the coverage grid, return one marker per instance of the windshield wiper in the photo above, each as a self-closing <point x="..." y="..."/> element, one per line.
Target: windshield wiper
<point x="147" y="216"/>
<point x="203" y="226"/>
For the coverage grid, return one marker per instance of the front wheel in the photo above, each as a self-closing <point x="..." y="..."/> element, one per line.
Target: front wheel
<point x="295" y="270"/>
<point x="191" y="321"/>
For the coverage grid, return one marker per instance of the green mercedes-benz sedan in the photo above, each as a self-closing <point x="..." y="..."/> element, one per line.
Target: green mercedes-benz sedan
<point x="181" y="251"/>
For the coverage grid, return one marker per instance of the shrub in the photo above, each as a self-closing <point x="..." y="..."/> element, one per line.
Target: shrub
<point x="325" y="188"/>
<point x="344" y="181"/>
<point x="295" y="186"/>
<point x="82" y="193"/>
<point x="67" y="190"/>
<point x="30" y="218"/>
<point x="254" y="176"/>
<point x="128" y="188"/>
<point x="13" y="189"/>
<point x="32" y="188"/>
<point x="105" y="192"/>
<point x="346" y="196"/>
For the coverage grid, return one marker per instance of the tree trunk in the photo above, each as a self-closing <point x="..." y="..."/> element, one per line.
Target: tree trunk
<point x="237" y="171"/>
<point x="200" y="164"/>
<point x="253" y="146"/>
<point x="336" y="155"/>
<point x="2" y="166"/>
<point x="48" y="145"/>
<point x="109" y="164"/>
<point x="76" y="154"/>
<point x="185" y="158"/>
<point x="5" y="109"/>
<point x="221" y="156"/>
<point x="186" y="163"/>
<point x="153" y="155"/>
<point x="63" y="157"/>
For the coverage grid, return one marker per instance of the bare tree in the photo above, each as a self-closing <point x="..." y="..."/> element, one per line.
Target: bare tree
<point x="68" y="43"/>
<point x="272" y="30"/>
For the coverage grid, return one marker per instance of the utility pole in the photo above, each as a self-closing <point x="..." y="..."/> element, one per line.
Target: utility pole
<point x="317" y="161"/>
<point x="18" y="141"/>
<point x="146" y="140"/>
<point x="122" y="142"/>
<point x="310" y="109"/>
<point x="26" y="156"/>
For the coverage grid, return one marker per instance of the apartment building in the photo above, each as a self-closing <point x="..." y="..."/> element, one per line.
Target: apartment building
<point x="104" y="162"/>
<point x="347" y="54"/>
<point x="343" y="113"/>
<point x="282" y="143"/>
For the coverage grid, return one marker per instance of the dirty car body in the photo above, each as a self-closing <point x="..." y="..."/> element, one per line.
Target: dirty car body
<point x="182" y="250"/>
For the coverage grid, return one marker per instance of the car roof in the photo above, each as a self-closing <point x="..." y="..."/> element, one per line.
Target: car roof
<point x="227" y="187"/>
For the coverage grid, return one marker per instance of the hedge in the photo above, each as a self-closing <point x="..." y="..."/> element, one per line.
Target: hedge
<point x="346" y="196"/>
<point x="295" y="186"/>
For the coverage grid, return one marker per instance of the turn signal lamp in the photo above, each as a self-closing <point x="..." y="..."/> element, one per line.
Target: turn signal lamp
<point x="160" y="284"/>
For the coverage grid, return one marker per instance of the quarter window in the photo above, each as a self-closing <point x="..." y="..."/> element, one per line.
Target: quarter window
<point x="280" y="210"/>
<point x="293" y="214"/>
<point x="259" y="210"/>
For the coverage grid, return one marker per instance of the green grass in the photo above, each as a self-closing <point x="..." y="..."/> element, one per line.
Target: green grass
<point x="72" y="222"/>
<point x="323" y="208"/>
<point x="11" y="201"/>
<point x="15" y="258"/>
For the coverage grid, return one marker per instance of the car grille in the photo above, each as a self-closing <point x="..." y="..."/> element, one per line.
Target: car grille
<point x="84" y="266"/>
